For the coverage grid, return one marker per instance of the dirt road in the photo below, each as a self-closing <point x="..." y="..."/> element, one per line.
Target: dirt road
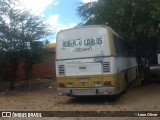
<point x="41" y="96"/>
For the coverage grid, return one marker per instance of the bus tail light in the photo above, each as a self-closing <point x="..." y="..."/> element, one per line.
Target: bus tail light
<point x="62" y="85"/>
<point x="107" y="83"/>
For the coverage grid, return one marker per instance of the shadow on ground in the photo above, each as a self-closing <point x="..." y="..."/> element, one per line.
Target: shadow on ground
<point x="94" y="100"/>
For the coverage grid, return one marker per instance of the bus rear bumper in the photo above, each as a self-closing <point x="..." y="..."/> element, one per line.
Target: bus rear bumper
<point x="87" y="91"/>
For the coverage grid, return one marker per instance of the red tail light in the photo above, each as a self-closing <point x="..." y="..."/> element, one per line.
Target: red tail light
<point x="107" y="83"/>
<point x="61" y="85"/>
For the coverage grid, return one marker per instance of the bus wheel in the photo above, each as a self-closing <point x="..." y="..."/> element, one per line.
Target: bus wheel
<point x="125" y="82"/>
<point x="125" y="86"/>
<point x="136" y="73"/>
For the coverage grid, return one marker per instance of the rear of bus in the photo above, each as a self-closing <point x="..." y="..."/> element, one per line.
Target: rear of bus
<point x="84" y="64"/>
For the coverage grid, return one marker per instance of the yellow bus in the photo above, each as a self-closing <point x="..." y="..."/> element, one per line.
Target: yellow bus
<point x="93" y="60"/>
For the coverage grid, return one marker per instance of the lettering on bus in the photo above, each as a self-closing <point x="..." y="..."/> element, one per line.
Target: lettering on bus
<point x="82" y="49"/>
<point x="86" y="42"/>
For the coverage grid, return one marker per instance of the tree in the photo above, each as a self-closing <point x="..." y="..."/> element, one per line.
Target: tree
<point x="138" y="21"/>
<point x="31" y="57"/>
<point x="46" y="41"/>
<point x="19" y="29"/>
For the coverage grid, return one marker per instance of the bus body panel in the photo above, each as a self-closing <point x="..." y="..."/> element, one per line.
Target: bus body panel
<point x="117" y="82"/>
<point x="73" y="83"/>
<point x="83" y="43"/>
<point x="87" y="64"/>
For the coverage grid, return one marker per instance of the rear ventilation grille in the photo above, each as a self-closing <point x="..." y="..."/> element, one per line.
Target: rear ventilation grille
<point x="106" y="67"/>
<point x="61" y="69"/>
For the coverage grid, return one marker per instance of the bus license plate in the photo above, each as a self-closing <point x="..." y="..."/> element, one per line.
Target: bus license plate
<point x="84" y="92"/>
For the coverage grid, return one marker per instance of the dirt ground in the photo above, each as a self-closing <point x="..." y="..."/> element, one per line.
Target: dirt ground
<point x="41" y="96"/>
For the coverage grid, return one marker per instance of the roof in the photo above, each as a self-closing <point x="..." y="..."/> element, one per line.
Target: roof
<point x="90" y="26"/>
<point x="87" y="26"/>
<point x="50" y="46"/>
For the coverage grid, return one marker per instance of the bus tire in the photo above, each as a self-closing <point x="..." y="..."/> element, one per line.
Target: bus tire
<point x="136" y="73"/>
<point x="126" y="82"/>
<point x="125" y="86"/>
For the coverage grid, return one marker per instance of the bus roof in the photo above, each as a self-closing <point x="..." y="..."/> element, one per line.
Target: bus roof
<point x="90" y="26"/>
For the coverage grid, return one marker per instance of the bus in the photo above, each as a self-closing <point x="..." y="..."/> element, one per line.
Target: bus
<point x="93" y="60"/>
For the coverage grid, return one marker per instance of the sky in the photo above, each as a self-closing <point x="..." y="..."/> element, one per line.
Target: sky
<point x="60" y="14"/>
